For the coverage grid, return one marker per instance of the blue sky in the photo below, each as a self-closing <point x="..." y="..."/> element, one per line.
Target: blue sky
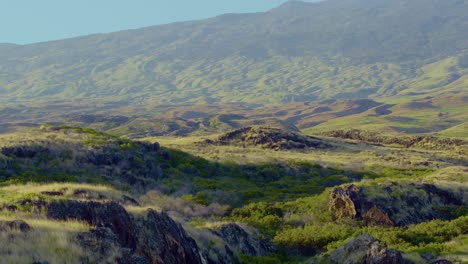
<point x="29" y="21"/>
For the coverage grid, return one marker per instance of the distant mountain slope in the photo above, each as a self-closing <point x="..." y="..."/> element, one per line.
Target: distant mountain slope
<point x="296" y="52"/>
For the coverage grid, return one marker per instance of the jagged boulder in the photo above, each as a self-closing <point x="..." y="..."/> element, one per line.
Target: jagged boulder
<point x="392" y="204"/>
<point x="239" y="240"/>
<point x="365" y="249"/>
<point x="342" y="202"/>
<point x="375" y="216"/>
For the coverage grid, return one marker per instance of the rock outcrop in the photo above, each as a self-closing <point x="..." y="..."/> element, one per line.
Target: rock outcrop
<point x="365" y="249"/>
<point x="233" y="240"/>
<point x="121" y="238"/>
<point x="110" y="215"/>
<point x="239" y="240"/>
<point x="342" y="202"/>
<point x="162" y="240"/>
<point x="392" y="204"/>
<point x="271" y="138"/>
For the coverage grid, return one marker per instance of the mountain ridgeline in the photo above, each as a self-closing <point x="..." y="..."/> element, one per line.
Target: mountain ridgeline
<point x="296" y="52"/>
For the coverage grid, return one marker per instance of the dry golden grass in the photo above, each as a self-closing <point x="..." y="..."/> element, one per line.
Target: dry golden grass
<point x="140" y="210"/>
<point x="52" y="241"/>
<point x="34" y="135"/>
<point x="345" y="155"/>
<point x="92" y="192"/>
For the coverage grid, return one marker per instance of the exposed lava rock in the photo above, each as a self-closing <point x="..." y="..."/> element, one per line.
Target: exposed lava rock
<point x="392" y="204"/>
<point x="120" y="238"/>
<point x="241" y="241"/>
<point x="365" y="249"/>
<point x="110" y="215"/>
<point x="272" y="138"/>
<point x="161" y="240"/>
<point x="342" y="202"/>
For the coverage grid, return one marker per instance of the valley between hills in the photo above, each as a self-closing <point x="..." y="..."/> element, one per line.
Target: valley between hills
<point x="327" y="132"/>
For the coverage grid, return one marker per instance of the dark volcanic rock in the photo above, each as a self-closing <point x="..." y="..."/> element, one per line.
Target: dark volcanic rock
<point x="365" y="249"/>
<point x="392" y="204"/>
<point x="110" y="215"/>
<point x="120" y="238"/>
<point x="161" y="240"/>
<point x="272" y="138"/>
<point x="241" y="241"/>
<point x="219" y="257"/>
<point x="103" y="243"/>
<point x="14" y="225"/>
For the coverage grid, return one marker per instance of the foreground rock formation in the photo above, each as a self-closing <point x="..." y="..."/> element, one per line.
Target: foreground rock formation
<point x="119" y="237"/>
